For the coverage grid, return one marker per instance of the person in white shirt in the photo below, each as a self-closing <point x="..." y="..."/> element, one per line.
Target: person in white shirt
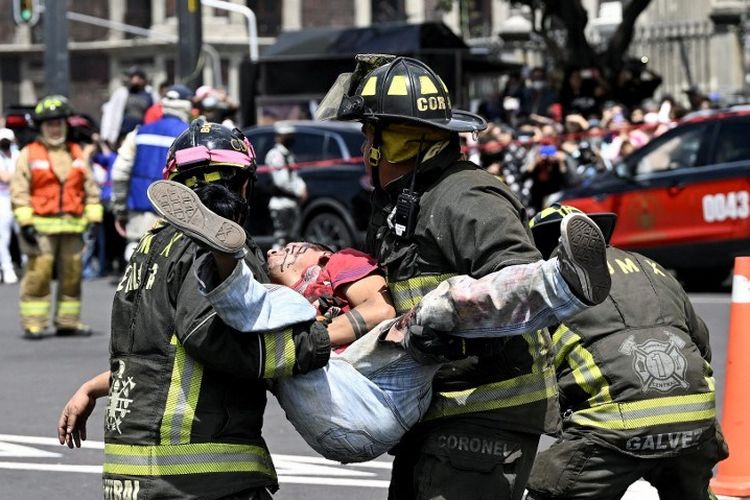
<point x="289" y="189"/>
<point x="8" y="156"/>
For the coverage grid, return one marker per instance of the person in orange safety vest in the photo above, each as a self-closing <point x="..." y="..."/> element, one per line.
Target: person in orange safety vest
<point x="54" y="198"/>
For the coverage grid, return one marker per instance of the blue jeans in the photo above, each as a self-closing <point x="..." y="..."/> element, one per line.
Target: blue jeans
<point x="361" y="404"/>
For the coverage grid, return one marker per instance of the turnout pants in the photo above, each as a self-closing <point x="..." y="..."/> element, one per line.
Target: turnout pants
<point x="578" y="468"/>
<point x="65" y="251"/>
<point x="463" y="458"/>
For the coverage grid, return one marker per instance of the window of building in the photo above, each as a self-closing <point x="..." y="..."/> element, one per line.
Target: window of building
<point x="84" y="32"/>
<point x="138" y="13"/>
<point x="384" y="11"/>
<point x="268" y="14"/>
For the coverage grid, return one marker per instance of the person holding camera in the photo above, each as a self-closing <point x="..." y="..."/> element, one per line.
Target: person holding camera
<point x="54" y="198"/>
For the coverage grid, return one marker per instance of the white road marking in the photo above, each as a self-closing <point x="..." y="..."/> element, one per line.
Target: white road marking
<point x="292" y="469"/>
<point x="8" y="450"/>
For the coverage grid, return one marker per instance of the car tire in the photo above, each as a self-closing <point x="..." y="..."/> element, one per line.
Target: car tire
<point x="711" y="279"/>
<point x="328" y="229"/>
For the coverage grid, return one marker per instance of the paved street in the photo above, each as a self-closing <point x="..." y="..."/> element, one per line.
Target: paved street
<point x="39" y="377"/>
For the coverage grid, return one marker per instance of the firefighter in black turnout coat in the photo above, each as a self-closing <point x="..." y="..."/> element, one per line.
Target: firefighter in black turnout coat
<point x="435" y="216"/>
<point x="187" y="393"/>
<point x="636" y="386"/>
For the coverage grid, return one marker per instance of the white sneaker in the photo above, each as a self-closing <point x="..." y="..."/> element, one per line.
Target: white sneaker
<point x="9" y="277"/>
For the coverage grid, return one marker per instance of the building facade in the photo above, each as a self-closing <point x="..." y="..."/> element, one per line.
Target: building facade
<point x="689" y="42"/>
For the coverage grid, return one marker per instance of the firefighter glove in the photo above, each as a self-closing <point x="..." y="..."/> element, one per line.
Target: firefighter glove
<point x="28" y="233"/>
<point x="428" y="346"/>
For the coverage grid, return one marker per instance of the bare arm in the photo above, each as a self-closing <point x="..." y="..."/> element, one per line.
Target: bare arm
<point x="71" y="427"/>
<point x="371" y="304"/>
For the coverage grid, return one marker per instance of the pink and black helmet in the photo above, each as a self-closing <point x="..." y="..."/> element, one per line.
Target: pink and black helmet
<point x="209" y="152"/>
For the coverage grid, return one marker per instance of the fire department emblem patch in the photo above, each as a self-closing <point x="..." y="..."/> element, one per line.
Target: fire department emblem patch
<point x="660" y="365"/>
<point x="119" y="399"/>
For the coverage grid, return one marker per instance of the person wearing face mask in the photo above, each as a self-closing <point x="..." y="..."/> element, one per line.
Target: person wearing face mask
<point x="289" y="190"/>
<point x="537" y="97"/>
<point x="54" y="198"/>
<point x="8" y="156"/>
<point x="127" y="106"/>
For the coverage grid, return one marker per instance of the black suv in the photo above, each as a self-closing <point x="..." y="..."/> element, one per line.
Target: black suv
<point x="338" y="205"/>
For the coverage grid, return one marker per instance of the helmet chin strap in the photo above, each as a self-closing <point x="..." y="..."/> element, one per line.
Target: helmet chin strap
<point x="374" y="155"/>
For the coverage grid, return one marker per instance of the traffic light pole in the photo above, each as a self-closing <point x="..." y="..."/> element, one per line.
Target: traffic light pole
<point x="190" y="42"/>
<point x="56" y="59"/>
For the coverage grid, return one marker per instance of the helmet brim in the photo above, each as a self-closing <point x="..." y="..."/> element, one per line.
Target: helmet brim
<point x="460" y="121"/>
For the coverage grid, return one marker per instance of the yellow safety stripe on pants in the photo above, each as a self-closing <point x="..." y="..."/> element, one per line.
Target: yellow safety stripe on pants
<point x="196" y="458"/>
<point x="24" y="215"/>
<point x="69" y="308"/>
<point x="34" y="308"/>
<point x="55" y="225"/>
<point x="517" y="391"/>
<point x="182" y="397"/>
<point x="408" y="293"/>
<point x="280" y="354"/>
<point x="648" y="412"/>
<point x="93" y="212"/>
<point x="586" y="373"/>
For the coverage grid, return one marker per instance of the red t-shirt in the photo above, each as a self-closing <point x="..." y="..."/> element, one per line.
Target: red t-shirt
<point x="343" y="267"/>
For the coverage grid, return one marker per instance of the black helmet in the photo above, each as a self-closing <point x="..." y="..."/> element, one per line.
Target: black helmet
<point x="545" y="226"/>
<point x="209" y="152"/>
<point x="407" y="90"/>
<point x="52" y="107"/>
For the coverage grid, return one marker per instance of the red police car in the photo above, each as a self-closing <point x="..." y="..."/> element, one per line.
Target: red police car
<point x="683" y="199"/>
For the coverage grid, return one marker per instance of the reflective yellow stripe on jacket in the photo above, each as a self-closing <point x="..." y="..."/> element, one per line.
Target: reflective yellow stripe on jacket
<point x="24" y="215"/>
<point x="539" y="385"/>
<point x="182" y="397"/>
<point x="93" y="212"/>
<point x="408" y="293"/>
<point x="196" y="458"/>
<point x="566" y="345"/>
<point x="55" y="225"/>
<point x="280" y="354"/>
<point x="648" y="413"/>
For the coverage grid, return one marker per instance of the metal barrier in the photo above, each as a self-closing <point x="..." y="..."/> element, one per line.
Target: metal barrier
<point x="679" y="52"/>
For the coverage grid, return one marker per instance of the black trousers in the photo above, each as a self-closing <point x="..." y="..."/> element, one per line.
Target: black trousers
<point x="462" y="460"/>
<point x="576" y="467"/>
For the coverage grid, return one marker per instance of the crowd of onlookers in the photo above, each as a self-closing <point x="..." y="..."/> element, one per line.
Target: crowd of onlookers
<point x="542" y="137"/>
<point x="134" y="104"/>
<point x="541" y="140"/>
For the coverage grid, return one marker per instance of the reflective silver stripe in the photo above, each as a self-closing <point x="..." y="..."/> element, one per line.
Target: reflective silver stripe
<point x="198" y="458"/>
<point x="649" y="412"/>
<point x="162" y="141"/>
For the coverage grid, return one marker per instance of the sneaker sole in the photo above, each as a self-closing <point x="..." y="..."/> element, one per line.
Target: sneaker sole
<point x="585" y="244"/>
<point x="182" y="208"/>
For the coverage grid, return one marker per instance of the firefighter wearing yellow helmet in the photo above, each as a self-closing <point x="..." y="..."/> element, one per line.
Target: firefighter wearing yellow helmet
<point x="54" y="198"/>
<point x="434" y="216"/>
